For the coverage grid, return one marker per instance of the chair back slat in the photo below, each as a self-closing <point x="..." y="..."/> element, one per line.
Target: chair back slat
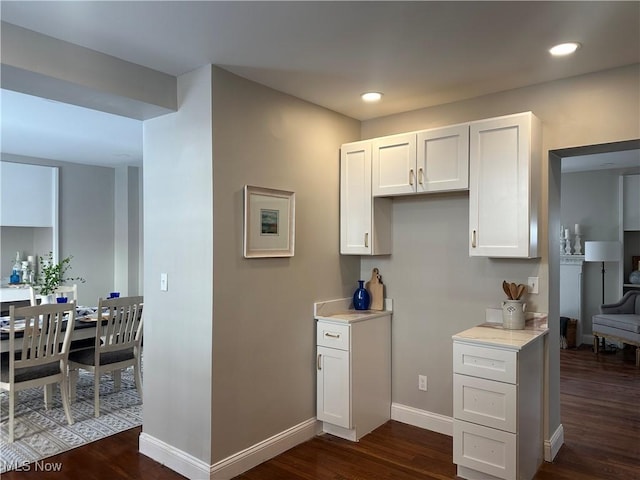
<point x="69" y="291"/>
<point x="45" y="337"/>
<point x="120" y="320"/>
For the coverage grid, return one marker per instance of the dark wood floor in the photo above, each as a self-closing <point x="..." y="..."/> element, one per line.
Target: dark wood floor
<point x="600" y="414"/>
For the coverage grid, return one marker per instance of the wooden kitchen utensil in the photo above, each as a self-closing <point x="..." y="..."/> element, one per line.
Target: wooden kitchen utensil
<point x="521" y="289"/>
<point x="513" y="288"/>
<point x="376" y="290"/>
<point x="505" y="287"/>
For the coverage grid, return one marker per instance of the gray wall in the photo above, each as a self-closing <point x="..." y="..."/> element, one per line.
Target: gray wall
<point x="437" y="289"/>
<point x="591" y="199"/>
<point x="255" y="343"/>
<point x="87" y="228"/>
<point x="263" y="327"/>
<point x="241" y="365"/>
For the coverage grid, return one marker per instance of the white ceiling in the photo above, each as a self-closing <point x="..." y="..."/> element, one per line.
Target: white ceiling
<point x="418" y="53"/>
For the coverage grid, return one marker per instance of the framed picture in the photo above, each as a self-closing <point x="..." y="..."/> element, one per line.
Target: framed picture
<point x="269" y="222"/>
<point x="635" y="262"/>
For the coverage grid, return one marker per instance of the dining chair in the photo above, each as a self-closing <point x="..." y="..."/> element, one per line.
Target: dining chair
<point x="42" y="358"/>
<point x="118" y="345"/>
<point x="69" y="291"/>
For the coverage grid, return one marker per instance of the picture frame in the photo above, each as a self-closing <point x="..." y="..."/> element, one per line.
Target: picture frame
<point x="269" y="222"/>
<point x="635" y="262"/>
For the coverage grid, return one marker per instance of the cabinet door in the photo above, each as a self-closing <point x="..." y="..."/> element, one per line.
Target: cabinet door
<point x="504" y="163"/>
<point x="333" y="387"/>
<point x="29" y="195"/>
<point x="443" y="159"/>
<point x="394" y="165"/>
<point x="355" y="198"/>
<point x="631" y="203"/>
<point x="365" y="222"/>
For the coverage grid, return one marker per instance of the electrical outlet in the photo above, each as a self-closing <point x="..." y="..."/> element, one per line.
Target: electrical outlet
<point x="532" y="282"/>
<point x="422" y="382"/>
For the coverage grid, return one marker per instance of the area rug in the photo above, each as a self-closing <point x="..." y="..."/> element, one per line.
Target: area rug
<point x="41" y="433"/>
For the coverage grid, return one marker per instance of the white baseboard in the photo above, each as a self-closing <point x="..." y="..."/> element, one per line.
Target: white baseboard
<point x="422" y="418"/>
<point x="177" y="460"/>
<point x="234" y="465"/>
<point x="250" y="457"/>
<point x="552" y="446"/>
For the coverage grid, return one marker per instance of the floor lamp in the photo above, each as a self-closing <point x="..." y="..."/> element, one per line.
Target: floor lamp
<point x="602" y="252"/>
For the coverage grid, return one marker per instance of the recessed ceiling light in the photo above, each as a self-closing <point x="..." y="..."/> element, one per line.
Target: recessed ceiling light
<point x="371" y="96"/>
<point x="564" y="49"/>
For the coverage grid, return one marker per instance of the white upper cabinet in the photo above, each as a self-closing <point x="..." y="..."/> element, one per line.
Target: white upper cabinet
<point x="631" y="202"/>
<point x="427" y="161"/>
<point x="29" y="195"/>
<point x="443" y="159"/>
<point x="394" y="165"/>
<point x="365" y="222"/>
<point x="504" y="186"/>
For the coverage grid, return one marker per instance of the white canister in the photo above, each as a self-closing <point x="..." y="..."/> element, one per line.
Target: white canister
<point x="513" y="314"/>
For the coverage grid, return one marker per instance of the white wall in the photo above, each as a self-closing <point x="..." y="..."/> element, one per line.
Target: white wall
<point x="87" y="212"/>
<point x="46" y="67"/>
<point x="127" y="231"/>
<point x="178" y="226"/>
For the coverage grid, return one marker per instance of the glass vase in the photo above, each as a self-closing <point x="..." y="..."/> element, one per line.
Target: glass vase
<point x="361" y="298"/>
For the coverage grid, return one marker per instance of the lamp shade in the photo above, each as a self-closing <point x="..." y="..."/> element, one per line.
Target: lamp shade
<point x="601" y="251"/>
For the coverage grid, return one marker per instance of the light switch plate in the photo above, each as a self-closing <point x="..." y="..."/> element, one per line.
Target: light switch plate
<point x="164" y="282"/>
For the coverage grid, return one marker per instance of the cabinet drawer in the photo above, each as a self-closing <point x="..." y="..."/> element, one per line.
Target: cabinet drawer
<point x="486" y="402"/>
<point x="333" y="335"/>
<point x="485" y="362"/>
<point x="484" y="449"/>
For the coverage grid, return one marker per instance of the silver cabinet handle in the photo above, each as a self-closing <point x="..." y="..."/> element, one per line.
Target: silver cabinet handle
<point x="318" y="363"/>
<point x="411" y="174"/>
<point x="366" y="240"/>
<point x="420" y="176"/>
<point x="332" y="335"/>
<point x="473" y="239"/>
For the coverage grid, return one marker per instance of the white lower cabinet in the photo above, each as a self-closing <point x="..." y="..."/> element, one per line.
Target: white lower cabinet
<point x="497" y="410"/>
<point x="353" y="376"/>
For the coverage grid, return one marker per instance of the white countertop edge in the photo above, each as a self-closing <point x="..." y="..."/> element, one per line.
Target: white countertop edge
<point x="493" y="335"/>
<point x="341" y="311"/>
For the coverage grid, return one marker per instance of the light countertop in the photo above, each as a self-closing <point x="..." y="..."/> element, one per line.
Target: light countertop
<point x="493" y="334"/>
<point x="342" y="311"/>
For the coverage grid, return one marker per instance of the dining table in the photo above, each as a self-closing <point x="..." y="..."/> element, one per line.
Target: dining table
<point x="84" y="327"/>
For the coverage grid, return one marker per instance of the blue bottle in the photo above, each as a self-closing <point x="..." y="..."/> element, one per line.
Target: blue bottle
<point x="15" y="273"/>
<point x="15" y="277"/>
<point x="361" y="298"/>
